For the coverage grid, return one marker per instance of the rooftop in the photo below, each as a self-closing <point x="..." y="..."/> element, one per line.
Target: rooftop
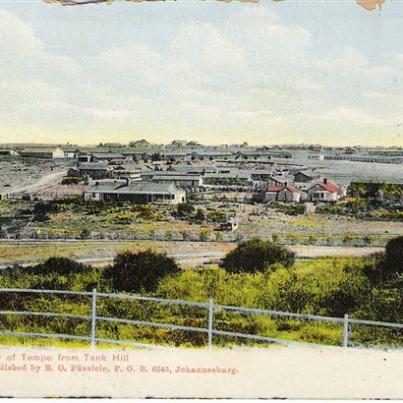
<point x="328" y="186"/>
<point x="275" y="189"/>
<point x="135" y="188"/>
<point x="93" y="166"/>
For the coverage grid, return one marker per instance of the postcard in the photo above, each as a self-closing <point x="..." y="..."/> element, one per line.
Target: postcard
<point x="201" y="199"/>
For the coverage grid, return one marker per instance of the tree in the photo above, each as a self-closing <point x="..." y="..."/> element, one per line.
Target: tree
<point x="394" y="256"/>
<point x="156" y="157"/>
<point x="347" y="295"/>
<point x="387" y="264"/>
<point x="59" y="266"/>
<point x="41" y="211"/>
<point x="256" y="255"/>
<point x="142" y="271"/>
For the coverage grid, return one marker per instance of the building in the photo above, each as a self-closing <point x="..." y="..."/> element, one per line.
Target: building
<point x="284" y="193"/>
<point x="179" y="179"/>
<point x="43" y="153"/>
<point x="325" y="191"/>
<point x="175" y="156"/>
<point x="227" y="179"/>
<point x="112" y="145"/>
<point x="192" y="169"/>
<point x="211" y="155"/>
<point x="8" y="152"/>
<point x="278" y="181"/>
<point x="126" y="172"/>
<point x="70" y="151"/>
<point x="95" y="170"/>
<point x="261" y="175"/>
<point x="188" y="182"/>
<point x="107" y="156"/>
<point x="263" y="154"/>
<point x="84" y="157"/>
<point x="305" y="176"/>
<point x="136" y="192"/>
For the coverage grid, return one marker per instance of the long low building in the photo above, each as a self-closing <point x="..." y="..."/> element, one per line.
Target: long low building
<point x="95" y="170"/>
<point x="43" y="153"/>
<point x="137" y="192"/>
<point x="184" y="181"/>
<point x="230" y="179"/>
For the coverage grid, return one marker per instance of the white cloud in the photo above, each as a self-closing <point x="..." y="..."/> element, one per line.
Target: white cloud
<point x="16" y="35"/>
<point x="249" y="73"/>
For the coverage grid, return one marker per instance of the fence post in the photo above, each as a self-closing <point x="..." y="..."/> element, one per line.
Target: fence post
<point x="210" y="322"/>
<point x="93" y="317"/>
<point x="345" y="331"/>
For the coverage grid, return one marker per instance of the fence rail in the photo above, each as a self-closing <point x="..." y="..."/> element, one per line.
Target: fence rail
<point x="94" y="319"/>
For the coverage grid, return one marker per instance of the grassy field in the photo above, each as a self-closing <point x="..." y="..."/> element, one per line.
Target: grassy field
<point x="78" y="220"/>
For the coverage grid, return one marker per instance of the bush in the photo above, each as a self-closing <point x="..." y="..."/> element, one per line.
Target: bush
<point x="85" y="233"/>
<point x="70" y="180"/>
<point x="350" y="292"/>
<point x="387" y="264"/>
<point x="256" y="255"/>
<point x="200" y="216"/>
<point x="394" y="255"/>
<point x="134" y="272"/>
<point x="58" y="265"/>
<point x="185" y="209"/>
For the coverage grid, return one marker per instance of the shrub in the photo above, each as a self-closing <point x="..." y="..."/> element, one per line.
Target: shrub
<point x="200" y="216"/>
<point x="70" y="180"/>
<point x="256" y="255"/>
<point x="85" y="233"/>
<point x="134" y="272"/>
<point x="394" y="255"/>
<point x="349" y="293"/>
<point x="204" y="235"/>
<point x="58" y="265"/>
<point x="185" y="209"/>
<point x="387" y="264"/>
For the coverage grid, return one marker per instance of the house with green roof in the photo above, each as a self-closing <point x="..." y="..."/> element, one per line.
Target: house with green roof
<point x="136" y="192"/>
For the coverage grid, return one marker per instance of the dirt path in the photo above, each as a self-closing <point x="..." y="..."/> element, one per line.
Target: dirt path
<point x="29" y="252"/>
<point x="42" y="183"/>
<point x="312" y="251"/>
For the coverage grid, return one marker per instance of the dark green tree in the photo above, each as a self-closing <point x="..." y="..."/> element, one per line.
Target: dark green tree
<point x="256" y="255"/>
<point x="386" y="265"/>
<point x="394" y="256"/>
<point x="142" y="271"/>
<point x="351" y="292"/>
<point x="58" y="265"/>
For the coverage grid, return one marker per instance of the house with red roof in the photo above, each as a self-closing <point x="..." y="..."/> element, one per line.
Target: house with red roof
<point x="284" y="193"/>
<point x="324" y="191"/>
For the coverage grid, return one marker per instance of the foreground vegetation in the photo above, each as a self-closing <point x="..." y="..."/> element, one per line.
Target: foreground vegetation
<point x="366" y="288"/>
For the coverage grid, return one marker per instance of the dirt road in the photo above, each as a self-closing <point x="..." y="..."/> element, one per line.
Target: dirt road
<point x="29" y="252"/>
<point x="42" y="183"/>
<point x="312" y="251"/>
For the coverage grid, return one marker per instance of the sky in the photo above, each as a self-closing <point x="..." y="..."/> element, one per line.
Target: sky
<point x="302" y="71"/>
